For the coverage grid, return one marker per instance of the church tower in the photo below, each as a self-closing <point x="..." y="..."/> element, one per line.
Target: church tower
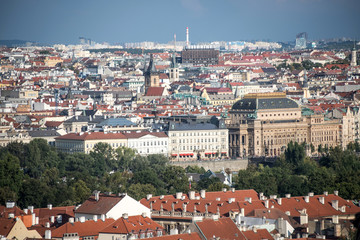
<point x="151" y="75"/>
<point x="174" y="70"/>
<point x="305" y="87"/>
<point x="353" y="62"/>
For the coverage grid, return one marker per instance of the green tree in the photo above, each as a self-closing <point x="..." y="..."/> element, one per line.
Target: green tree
<point x="295" y="154"/>
<point x="10" y="174"/>
<point x="195" y="169"/>
<point x="139" y="191"/>
<point x="175" y="179"/>
<point x="82" y="192"/>
<point x="217" y="186"/>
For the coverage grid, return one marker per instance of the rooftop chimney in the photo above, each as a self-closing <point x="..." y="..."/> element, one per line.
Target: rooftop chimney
<point x="47" y="224"/>
<point x="148" y="196"/>
<point x="82" y="219"/>
<point x="49" y="206"/>
<point x="203" y="194"/>
<point x="47" y="234"/>
<point x="95" y="218"/>
<point x="187" y="37"/>
<point x="279" y="201"/>
<point x="336" y="193"/>
<point x="102" y="217"/>
<point x="322" y="200"/>
<point x="248" y="199"/>
<point x="231" y="200"/>
<point x="52" y="219"/>
<point x="31" y="209"/>
<point x="311" y="194"/>
<point x="11" y="215"/>
<point x="10" y="204"/>
<point x="26" y="210"/>
<point x="335" y="204"/>
<point x="178" y="195"/>
<point x="232" y="189"/>
<point x="161" y="197"/>
<point x="266" y="203"/>
<point x="71" y="220"/>
<point x="306" y="199"/>
<point x="224" y="189"/>
<point x="192" y="195"/>
<point x="326" y="193"/>
<point x="97" y="195"/>
<point x="143" y="214"/>
<point x="125" y="216"/>
<point x="288" y="195"/>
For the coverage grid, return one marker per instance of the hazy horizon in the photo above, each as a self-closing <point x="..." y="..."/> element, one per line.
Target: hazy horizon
<point x="113" y="21"/>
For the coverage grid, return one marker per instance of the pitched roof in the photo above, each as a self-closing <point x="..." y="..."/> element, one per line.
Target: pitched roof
<point x="102" y="206"/>
<point x="155" y="91"/>
<point x="224" y="228"/>
<point x="258" y="235"/>
<point x="185" y="236"/>
<point x="91" y="136"/>
<point x="87" y="228"/>
<point x="6" y="225"/>
<point x="133" y="224"/>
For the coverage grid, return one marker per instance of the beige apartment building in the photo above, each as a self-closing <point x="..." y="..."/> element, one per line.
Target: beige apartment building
<point x="263" y="124"/>
<point x="190" y="141"/>
<point x="85" y="142"/>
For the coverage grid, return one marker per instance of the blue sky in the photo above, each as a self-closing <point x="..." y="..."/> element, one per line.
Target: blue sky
<point x="117" y="21"/>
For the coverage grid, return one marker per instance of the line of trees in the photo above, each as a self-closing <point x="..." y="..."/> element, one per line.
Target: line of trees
<point x="297" y="174"/>
<point x="37" y="174"/>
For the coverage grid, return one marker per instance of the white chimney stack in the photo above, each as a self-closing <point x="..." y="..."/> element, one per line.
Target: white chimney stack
<point x="47" y="234"/>
<point x="335" y="204"/>
<point x="192" y="195"/>
<point x="203" y="194"/>
<point x="279" y="201"/>
<point x="231" y="200"/>
<point x="307" y="199"/>
<point x="178" y="195"/>
<point x="125" y="216"/>
<point x="71" y="220"/>
<point x="266" y="203"/>
<point x="49" y="206"/>
<point x="148" y="197"/>
<point x="187" y="37"/>
<point x="322" y="200"/>
<point x="95" y="218"/>
<point x="102" y="217"/>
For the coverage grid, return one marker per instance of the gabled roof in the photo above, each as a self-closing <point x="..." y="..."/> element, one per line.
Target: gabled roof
<point x="133" y="224"/>
<point x="87" y="228"/>
<point x="258" y="235"/>
<point x="185" y="236"/>
<point x="155" y="91"/>
<point x="223" y="228"/>
<point x="102" y="206"/>
<point x="6" y="225"/>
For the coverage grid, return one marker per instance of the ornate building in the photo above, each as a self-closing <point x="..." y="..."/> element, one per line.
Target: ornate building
<point x="263" y="124"/>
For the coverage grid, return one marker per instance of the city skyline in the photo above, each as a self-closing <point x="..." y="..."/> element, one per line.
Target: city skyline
<point x="112" y="21"/>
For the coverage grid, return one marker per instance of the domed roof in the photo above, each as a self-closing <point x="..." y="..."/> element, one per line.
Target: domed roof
<point x="258" y="103"/>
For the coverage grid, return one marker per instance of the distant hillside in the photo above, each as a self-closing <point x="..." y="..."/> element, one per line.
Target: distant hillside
<point x="16" y="43"/>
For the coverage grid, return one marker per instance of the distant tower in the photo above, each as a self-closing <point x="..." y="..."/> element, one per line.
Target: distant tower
<point x="301" y="40"/>
<point x="151" y="75"/>
<point x="353" y="57"/>
<point x="187" y="37"/>
<point x="305" y="86"/>
<point x="174" y="70"/>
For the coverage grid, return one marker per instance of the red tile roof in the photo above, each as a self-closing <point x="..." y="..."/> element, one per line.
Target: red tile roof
<point x="6" y="225"/>
<point x="87" y="228"/>
<point x="224" y="228"/>
<point x="155" y="91"/>
<point x="102" y="206"/>
<point x="133" y="224"/>
<point x="185" y="236"/>
<point x="258" y="235"/>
